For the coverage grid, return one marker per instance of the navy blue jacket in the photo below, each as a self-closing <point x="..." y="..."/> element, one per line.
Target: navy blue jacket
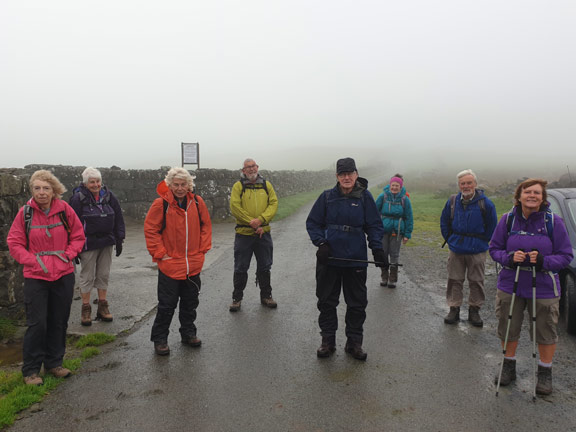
<point x="344" y="222"/>
<point x="103" y="221"/>
<point x="471" y="230"/>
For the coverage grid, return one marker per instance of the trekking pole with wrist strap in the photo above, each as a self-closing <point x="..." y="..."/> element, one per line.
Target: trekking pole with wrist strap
<point x="534" y="328"/>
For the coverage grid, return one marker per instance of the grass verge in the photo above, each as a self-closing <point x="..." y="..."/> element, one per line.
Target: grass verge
<point x="290" y="204"/>
<point x="16" y="396"/>
<point x="7" y="328"/>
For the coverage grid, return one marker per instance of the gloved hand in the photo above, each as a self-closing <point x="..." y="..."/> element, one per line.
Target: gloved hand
<point x="324" y="253"/>
<point x="118" y="248"/>
<point x="539" y="261"/>
<point x="511" y="262"/>
<point x="380" y="258"/>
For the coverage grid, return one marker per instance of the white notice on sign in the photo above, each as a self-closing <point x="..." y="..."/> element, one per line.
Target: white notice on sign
<point x="190" y="153"/>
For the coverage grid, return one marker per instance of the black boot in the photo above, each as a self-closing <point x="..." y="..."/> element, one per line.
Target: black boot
<point x="453" y="316"/>
<point x="263" y="279"/>
<point x="474" y="316"/>
<point x="393" y="276"/>
<point x="240" y="280"/>
<point x="508" y="372"/>
<point x="384" y="281"/>
<point x="328" y="346"/>
<point x="355" y="350"/>
<point x="544" y="385"/>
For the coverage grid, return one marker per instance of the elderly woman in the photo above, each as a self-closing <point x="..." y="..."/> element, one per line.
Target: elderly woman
<point x="178" y="234"/>
<point x="101" y="216"/>
<point x="45" y="237"/>
<point x="528" y="237"/>
<point x="396" y="212"/>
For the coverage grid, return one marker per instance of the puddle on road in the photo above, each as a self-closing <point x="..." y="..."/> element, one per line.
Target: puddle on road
<point x="10" y="354"/>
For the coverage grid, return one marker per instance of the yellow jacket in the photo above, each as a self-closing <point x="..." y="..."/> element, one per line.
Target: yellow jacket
<point x="253" y="203"/>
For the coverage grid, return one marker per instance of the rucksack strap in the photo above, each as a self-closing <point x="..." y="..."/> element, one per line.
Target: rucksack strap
<point x="165" y="210"/>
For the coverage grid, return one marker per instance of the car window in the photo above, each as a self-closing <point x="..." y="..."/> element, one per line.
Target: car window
<point x="571" y="204"/>
<point x="555" y="206"/>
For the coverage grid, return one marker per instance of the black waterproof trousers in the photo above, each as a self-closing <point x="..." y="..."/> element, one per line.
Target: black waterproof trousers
<point x="47" y="312"/>
<point x="329" y="281"/>
<point x="170" y="291"/>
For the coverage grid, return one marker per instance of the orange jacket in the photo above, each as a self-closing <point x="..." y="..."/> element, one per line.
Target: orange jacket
<point x="179" y="250"/>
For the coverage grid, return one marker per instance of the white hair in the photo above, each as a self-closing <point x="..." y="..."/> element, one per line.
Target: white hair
<point x="465" y="173"/>
<point x="91" y="173"/>
<point x="182" y="174"/>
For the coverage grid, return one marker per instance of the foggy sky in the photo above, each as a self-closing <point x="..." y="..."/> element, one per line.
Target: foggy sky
<point x="294" y="84"/>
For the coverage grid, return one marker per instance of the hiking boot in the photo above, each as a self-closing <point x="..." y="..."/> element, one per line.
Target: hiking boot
<point x="269" y="303"/>
<point x="59" y="372"/>
<point x="544" y="385"/>
<point x="393" y="276"/>
<point x="384" y="281"/>
<point x="355" y="350"/>
<point x="161" y="348"/>
<point x="508" y="372"/>
<point x="453" y="316"/>
<point x="192" y="341"/>
<point x="33" y="380"/>
<point x="474" y="316"/>
<point x="327" y="348"/>
<point x="235" y="306"/>
<point x="86" y="319"/>
<point x="103" y="313"/>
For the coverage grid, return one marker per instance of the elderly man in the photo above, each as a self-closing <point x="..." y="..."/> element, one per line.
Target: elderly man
<point x="339" y="222"/>
<point x="253" y="203"/>
<point x="467" y="223"/>
<point x="178" y="234"/>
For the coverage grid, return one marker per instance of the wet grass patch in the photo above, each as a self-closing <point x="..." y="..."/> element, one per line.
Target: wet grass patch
<point x="7" y="328"/>
<point x="16" y="396"/>
<point x="290" y="204"/>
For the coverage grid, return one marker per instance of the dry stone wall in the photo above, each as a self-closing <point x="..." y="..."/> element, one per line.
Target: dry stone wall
<point x="135" y="189"/>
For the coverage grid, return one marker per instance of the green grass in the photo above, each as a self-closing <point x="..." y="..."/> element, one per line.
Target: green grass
<point x="7" y="328"/>
<point x="16" y="396"/>
<point x="290" y="204"/>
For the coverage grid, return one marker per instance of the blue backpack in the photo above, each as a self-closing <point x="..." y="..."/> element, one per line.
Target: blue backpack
<point x="549" y="219"/>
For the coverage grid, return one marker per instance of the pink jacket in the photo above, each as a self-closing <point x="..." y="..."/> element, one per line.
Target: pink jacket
<point x="62" y="247"/>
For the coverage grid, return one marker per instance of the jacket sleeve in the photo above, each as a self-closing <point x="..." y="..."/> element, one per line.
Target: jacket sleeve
<point x="242" y="217"/>
<point x="119" y="225"/>
<point x="562" y="253"/>
<point x="491" y="218"/>
<point x="152" y="226"/>
<point x="76" y="204"/>
<point x="445" y="221"/>
<point x="206" y="226"/>
<point x="270" y="211"/>
<point x="76" y="238"/>
<point x="379" y="202"/>
<point x="316" y="221"/>
<point x="372" y="222"/>
<point x="17" y="241"/>
<point x="408" y="218"/>
<point x="498" y="249"/>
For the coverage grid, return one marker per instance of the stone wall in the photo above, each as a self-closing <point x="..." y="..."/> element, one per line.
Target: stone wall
<point x="135" y="189"/>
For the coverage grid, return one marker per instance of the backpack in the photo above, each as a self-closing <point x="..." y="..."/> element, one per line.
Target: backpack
<point x="384" y="199"/>
<point x="29" y="213"/>
<point x="253" y="187"/>
<point x="548" y="218"/>
<point x="165" y="206"/>
<point x="481" y="204"/>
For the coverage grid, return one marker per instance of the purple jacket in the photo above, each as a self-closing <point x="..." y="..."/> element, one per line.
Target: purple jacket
<point x="103" y="221"/>
<point x="527" y="235"/>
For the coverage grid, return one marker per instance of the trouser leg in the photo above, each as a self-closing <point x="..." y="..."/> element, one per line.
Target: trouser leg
<point x="168" y="294"/>
<point x="243" y="250"/>
<point x="59" y="304"/>
<point x="328" y="286"/>
<point x="475" y="273"/>
<point x="189" y="291"/>
<point x="456" y="275"/>
<point x="36" y="294"/>
<point x="88" y="261"/>
<point x="394" y="249"/>
<point x="263" y="251"/>
<point x="355" y="295"/>
<point x="103" y="265"/>
<point x="240" y="280"/>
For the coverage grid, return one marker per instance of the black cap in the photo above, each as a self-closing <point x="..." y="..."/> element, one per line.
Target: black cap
<point x="345" y="165"/>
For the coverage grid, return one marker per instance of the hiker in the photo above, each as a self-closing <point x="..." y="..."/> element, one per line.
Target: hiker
<point x="101" y="215"/>
<point x="45" y="237"/>
<point x="338" y="224"/>
<point x="530" y="236"/>
<point x="253" y="203"/>
<point x="178" y="234"/>
<point x="467" y="223"/>
<point x="396" y="211"/>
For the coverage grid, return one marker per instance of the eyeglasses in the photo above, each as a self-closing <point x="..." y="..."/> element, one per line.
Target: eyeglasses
<point x="250" y="166"/>
<point x="347" y="174"/>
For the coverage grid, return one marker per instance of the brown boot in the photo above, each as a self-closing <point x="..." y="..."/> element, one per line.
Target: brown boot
<point x="453" y="316"/>
<point x="474" y="316"/>
<point x="355" y="350"/>
<point x="327" y="348"/>
<point x="384" y="281"/>
<point x="269" y="302"/>
<point x="33" y="380"/>
<point x="59" y="372"/>
<point x="544" y="384"/>
<point x="393" y="276"/>
<point x="86" y="319"/>
<point x="103" y="312"/>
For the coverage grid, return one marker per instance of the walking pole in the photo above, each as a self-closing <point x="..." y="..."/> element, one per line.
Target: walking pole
<point x="359" y="261"/>
<point x="508" y="326"/>
<point x="534" y="329"/>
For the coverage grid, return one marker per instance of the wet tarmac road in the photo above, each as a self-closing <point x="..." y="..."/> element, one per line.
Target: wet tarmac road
<point x="257" y="369"/>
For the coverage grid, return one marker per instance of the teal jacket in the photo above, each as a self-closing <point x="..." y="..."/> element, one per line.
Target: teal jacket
<point x="396" y="212"/>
